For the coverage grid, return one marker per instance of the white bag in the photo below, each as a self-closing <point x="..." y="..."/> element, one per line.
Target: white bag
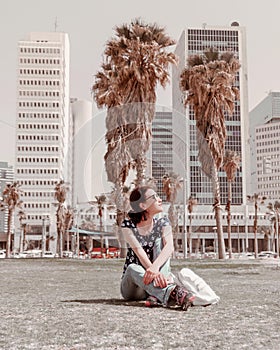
<point x="191" y="281"/>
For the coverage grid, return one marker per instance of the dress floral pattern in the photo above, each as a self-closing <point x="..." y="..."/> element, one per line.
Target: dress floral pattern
<point x="147" y="242"/>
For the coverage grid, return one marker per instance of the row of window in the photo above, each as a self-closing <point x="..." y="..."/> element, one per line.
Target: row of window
<point x="39" y="82"/>
<point x="39" y="61"/>
<point x="38" y="182"/>
<point x="38" y="137"/>
<point x="44" y="50"/>
<point x="37" y="205"/>
<point x="274" y="141"/>
<point x="37" y="160"/>
<point x="39" y="104"/>
<point x="271" y="156"/>
<point x="37" y="149"/>
<point x="38" y="194"/>
<point x="39" y="71"/>
<point x="268" y="150"/>
<point x="270" y="164"/>
<point x="38" y="126"/>
<point x="37" y="171"/>
<point x="39" y="115"/>
<point x="267" y="130"/>
<point x="39" y="93"/>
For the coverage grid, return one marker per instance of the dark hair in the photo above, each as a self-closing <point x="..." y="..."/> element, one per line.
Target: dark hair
<point x="137" y="197"/>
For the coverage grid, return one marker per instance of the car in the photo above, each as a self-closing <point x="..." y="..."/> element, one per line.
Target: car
<point x="23" y="254"/>
<point x="2" y="254"/>
<point x="67" y="254"/>
<point x="48" y="254"/>
<point x="267" y="254"/>
<point x="15" y="255"/>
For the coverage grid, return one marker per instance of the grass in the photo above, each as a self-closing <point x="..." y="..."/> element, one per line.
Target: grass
<point x="63" y="304"/>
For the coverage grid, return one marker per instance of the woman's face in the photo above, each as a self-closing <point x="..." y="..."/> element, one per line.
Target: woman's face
<point x="153" y="203"/>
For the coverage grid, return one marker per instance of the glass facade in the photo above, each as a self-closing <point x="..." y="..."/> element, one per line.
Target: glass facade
<point x="161" y="148"/>
<point x="196" y="41"/>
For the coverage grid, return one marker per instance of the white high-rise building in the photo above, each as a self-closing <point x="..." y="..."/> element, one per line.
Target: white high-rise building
<point x="196" y="41"/>
<point x="265" y="146"/>
<point x="42" y="127"/>
<point x="6" y="176"/>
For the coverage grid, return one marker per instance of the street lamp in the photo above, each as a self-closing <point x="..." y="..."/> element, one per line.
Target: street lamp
<point x="238" y="240"/>
<point x="215" y="239"/>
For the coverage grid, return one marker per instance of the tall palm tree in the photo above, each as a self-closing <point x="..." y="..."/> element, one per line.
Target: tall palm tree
<point x="135" y="61"/>
<point x="209" y="80"/>
<point x="11" y="200"/>
<point x="61" y="190"/>
<point x="230" y="164"/>
<point x="171" y="184"/>
<point x="192" y="202"/>
<point x="257" y="200"/>
<point x="274" y="210"/>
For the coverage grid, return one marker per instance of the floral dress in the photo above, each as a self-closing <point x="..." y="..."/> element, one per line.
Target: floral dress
<point x="147" y="242"/>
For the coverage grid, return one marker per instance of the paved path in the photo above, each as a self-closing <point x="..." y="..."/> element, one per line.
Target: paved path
<point x="75" y="304"/>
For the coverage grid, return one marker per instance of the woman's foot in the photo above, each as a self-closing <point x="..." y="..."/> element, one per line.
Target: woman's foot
<point x="181" y="297"/>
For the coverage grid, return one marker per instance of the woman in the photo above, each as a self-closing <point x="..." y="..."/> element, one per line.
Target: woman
<point x="146" y="271"/>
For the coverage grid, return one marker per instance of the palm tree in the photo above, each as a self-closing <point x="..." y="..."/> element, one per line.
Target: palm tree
<point x="61" y="190"/>
<point x="121" y="201"/>
<point x="230" y="165"/>
<point x="171" y="184"/>
<point x="257" y="200"/>
<point x="135" y="62"/>
<point x="69" y="220"/>
<point x="209" y="81"/>
<point x="192" y="202"/>
<point x="274" y="209"/>
<point x="11" y="200"/>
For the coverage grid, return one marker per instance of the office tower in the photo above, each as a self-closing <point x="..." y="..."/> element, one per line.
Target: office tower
<point x="82" y="146"/>
<point x="265" y="146"/>
<point x="42" y="127"/>
<point x="6" y="176"/>
<point x="196" y="41"/>
<point x="162" y="146"/>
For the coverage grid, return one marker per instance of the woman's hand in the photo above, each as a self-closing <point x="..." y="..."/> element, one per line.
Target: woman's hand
<point x="155" y="276"/>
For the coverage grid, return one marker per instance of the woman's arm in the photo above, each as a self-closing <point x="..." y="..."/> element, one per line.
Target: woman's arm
<point x="152" y="272"/>
<point x="136" y="247"/>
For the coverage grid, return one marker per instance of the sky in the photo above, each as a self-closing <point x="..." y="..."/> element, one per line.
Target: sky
<point x="90" y="24"/>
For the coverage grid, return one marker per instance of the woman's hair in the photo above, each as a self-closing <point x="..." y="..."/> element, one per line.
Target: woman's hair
<point x="137" y="197"/>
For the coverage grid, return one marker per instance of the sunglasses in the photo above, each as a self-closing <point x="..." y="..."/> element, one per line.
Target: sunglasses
<point x="155" y="196"/>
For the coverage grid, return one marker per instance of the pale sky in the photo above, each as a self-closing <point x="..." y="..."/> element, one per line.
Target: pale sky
<point x="90" y="23"/>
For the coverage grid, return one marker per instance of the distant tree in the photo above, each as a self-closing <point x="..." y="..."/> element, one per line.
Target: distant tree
<point x="61" y="190"/>
<point x="69" y="220"/>
<point x="209" y="80"/>
<point x="257" y="200"/>
<point x="22" y="217"/>
<point x="11" y="199"/>
<point x="192" y="202"/>
<point x="172" y="183"/>
<point x="230" y="164"/>
<point x="274" y="210"/>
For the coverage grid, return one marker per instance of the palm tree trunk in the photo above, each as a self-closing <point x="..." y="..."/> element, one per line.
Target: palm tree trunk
<point x="9" y="235"/>
<point x="140" y="169"/>
<point x="228" y="220"/>
<point x="218" y="213"/>
<point x="255" y="231"/>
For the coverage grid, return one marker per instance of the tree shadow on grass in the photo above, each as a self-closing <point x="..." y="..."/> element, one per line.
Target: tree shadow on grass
<point x="119" y="302"/>
<point x="116" y="302"/>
